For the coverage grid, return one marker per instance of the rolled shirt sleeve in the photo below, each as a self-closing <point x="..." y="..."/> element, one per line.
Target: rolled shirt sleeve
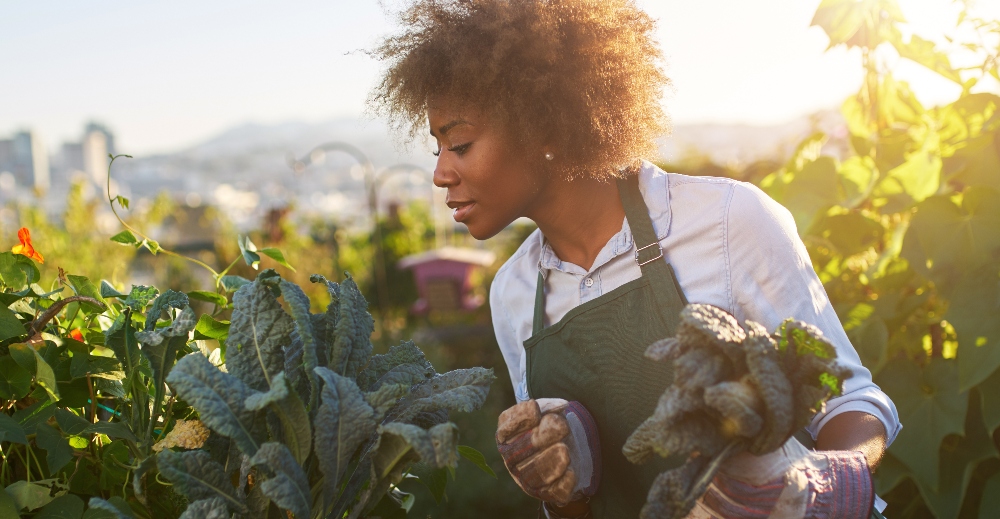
<point x="772" y="278"/>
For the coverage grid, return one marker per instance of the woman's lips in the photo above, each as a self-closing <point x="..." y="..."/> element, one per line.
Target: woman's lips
<point x="462" y="211"/>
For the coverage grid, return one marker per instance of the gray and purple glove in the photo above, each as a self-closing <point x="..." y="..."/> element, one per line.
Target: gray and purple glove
<point x="791" y="481"/>
<point x="551" y="449"/>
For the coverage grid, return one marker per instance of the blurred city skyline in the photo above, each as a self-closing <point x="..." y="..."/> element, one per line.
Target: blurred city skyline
<point x="165" y="77"/>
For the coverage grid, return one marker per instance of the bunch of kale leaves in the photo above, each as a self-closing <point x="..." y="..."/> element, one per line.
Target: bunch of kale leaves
<point x="735" y="388"/>
<point x="303" y="417"/>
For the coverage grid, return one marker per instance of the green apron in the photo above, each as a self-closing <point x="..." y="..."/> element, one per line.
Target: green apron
<point x="595" y="355"/>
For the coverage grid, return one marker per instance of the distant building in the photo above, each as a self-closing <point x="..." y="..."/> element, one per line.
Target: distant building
<point x="24" y="157"/>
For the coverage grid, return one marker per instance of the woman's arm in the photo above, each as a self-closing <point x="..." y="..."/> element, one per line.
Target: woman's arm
<point x="854" y="431"/>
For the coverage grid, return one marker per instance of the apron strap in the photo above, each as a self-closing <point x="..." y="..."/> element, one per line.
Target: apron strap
<point x="538" y="321"/>
<point x="648" y="255"/>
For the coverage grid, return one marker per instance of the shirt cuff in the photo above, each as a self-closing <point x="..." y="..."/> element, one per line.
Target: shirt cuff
<point x="892" y="427"/>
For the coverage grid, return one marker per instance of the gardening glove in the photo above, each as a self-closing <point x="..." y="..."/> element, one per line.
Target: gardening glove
<point x="551" y="449"/>
<point x="790" y="482"/>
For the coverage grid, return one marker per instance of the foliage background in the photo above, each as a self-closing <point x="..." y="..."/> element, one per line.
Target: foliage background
<point x="901" y="217"/>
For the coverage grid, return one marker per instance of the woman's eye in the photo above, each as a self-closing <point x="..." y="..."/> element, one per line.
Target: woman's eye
<point x="460" y="149"/>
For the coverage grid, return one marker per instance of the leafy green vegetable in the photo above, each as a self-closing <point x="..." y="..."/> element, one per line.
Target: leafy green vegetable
<point x="343" y="421"/>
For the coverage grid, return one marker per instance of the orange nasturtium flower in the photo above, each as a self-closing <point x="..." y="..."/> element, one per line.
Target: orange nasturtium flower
<point x="25" y="247"/>
<point x="76" y="334"/>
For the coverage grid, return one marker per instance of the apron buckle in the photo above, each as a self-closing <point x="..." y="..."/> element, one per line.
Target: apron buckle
<point x="640" y="249"/>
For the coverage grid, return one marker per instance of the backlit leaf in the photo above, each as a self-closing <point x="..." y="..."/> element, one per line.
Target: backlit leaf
<point x="975" y="305"/>
<point x="209" y="328"/>
<point x="209" y="297"/>
<point x="461" y="390"/>
<point x="125" y="238"/>
<point x="57" y="449"/>
<point x="285" y="403"/>
<point x="928" y="396"/>
<point x="278" y="256"/>
<point x="476" y="458"/>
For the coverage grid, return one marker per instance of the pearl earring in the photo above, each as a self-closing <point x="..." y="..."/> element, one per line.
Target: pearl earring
<point x="549" y="155"/>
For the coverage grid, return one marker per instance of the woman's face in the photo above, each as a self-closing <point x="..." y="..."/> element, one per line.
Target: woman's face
<point x="490" y="181"/>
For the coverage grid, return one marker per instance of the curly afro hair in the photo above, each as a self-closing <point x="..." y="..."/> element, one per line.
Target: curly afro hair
<point x="580" y="76"/>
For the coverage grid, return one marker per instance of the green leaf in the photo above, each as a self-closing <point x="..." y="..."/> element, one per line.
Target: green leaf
<point x="112" y="430"/>
<point x="352" y="344"/>
<point x="8" y="508"/>
<point x="15" y="381"/>
<point x="161" y="346"/>
<point x="476" y="458"/>
<point x="925" y="53"/>
<point x="286" y="404"/>
<point x="343" y="421"/>
<point x="209" y="297"/>
<point x="29" y="359"/>
<point x="437" y="446"/>
<point x="930" y="397"/>
<point x="109" y="291"/>
<point x="298" y="304"/>
<point x="869" y="335"/>
<point x="461" y="390"/>
<point x="152" y="246"/>
<point x="233" y="283"/>
<point x="850" y="233"/>
<point x="196" y="476"/>
<point x="84" y="287"/>
<point x="114" y="508"/>
<point x="960" y="455"/>
<point x="125" y="238"/>
<point x="220" y="400"/>
<point x="67" y="506"/>
<point x="385" y="398"/>
<point x="973" y="310"/>
<point x="944" y="238"/>
<point x="248" y="251"/>
<point x="114" y="465"/>
<point x="259" y="329"/>
<point x="11" y="431"/>
<point x="168" y="299"/>
<point x="214" y="508"/>
<point x="278" y="256"/>
<point x="17" y="271"/>
<point x="122" y="201"/>
<point x="70" y="423"/>
<point x="120" y="337"/>
<point x="58" y="451"/>
<point x="288" y="487"/>
<point x="209" y="328"/>
<point x="841" y="19"/>
<point x="30" y="496"/>
<point x="36" y="413"/>
<point x="989" y="389"/>
<point x="435" y="479"/>
<point x="991" y="498"/>
<point x="402" y="364"/>
<point x="10" y="326"/>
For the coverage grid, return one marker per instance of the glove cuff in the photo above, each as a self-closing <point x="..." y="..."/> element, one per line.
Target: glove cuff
<point x="585" y="449"/>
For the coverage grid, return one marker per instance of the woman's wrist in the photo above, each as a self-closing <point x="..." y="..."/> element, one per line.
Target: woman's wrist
<point x="572" y="510"/>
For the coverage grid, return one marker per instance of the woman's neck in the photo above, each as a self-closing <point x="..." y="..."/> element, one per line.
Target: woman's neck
<point x="578" y="218"/>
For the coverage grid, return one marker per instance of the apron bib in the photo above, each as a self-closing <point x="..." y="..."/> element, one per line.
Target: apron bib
<point x="595" y="355"/>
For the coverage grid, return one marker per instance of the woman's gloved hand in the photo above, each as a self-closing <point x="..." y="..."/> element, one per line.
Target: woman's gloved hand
<point x="551" y="448"/>
<point x="791" y="481"/>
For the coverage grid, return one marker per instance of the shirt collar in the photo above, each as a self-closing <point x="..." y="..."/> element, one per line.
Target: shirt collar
<point x="654" y="187"/>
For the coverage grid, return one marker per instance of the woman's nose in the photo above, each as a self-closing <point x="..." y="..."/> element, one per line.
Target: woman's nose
<point x="444" y="174"/>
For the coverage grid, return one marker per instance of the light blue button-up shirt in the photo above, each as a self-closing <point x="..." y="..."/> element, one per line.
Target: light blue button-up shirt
<point x="729" y="244"/>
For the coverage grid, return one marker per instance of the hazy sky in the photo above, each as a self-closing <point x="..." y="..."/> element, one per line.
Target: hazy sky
<point x="164" y="75"/>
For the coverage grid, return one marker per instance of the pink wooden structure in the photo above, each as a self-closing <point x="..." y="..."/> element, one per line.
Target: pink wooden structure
<point x="442" y="278"/>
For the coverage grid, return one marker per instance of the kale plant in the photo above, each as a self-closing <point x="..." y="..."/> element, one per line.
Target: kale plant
<point x="735" y="388"/>
<point x="304" y="418"/>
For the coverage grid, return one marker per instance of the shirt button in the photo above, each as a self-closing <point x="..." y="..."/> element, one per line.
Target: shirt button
<point x="589" y="282"/>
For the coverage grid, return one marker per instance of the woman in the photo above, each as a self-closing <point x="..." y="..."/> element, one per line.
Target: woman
<point x="543" y="109"/>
